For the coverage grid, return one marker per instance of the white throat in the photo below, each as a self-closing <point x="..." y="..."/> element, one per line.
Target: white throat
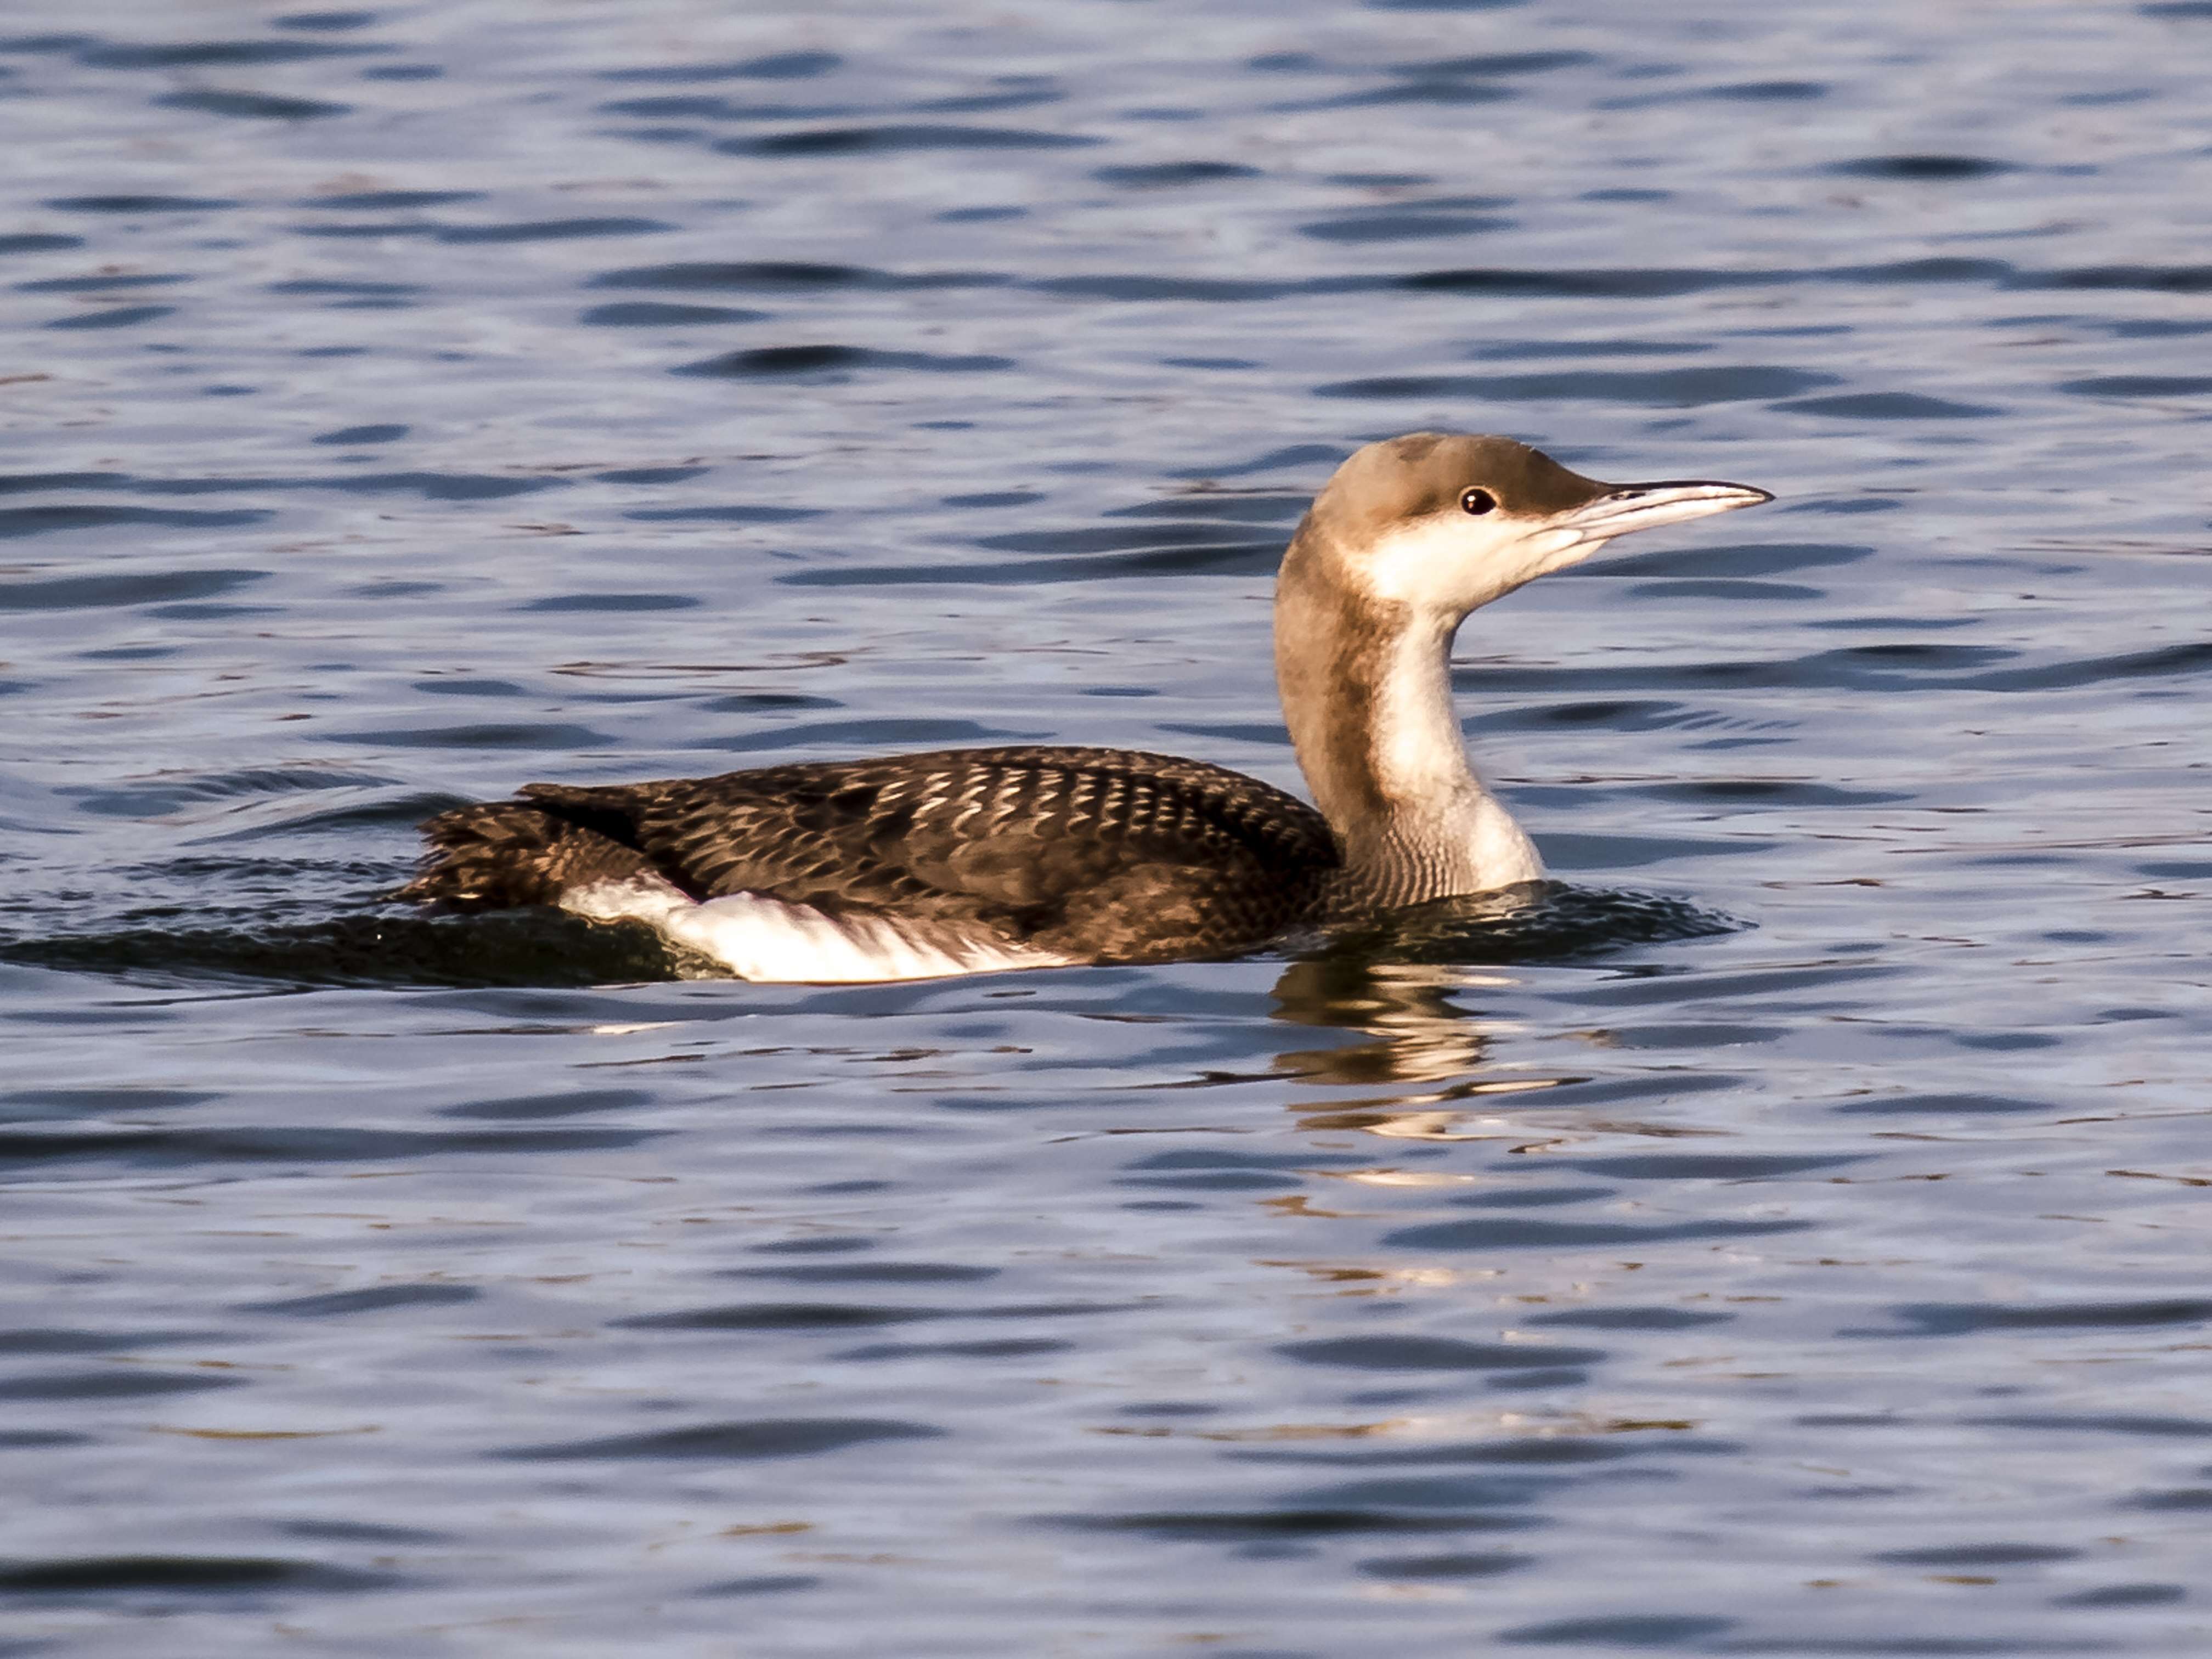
<point x="1467" y="841"/>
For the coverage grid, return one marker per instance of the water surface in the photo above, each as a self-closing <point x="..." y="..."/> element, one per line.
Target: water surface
<point x="1787" y="1237"/>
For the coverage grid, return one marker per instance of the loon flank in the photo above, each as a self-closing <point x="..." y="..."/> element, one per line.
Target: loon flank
<point x="975" y="860"/>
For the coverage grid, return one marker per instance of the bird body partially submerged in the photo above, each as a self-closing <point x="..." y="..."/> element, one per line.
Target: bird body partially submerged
<point x="951" y="861"/>
<point x="982" y="860"/>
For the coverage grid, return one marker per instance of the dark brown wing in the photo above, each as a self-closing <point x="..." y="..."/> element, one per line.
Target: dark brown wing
<point x="1097" y="854"/>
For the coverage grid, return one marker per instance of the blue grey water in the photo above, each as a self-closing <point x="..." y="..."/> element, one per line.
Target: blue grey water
<point x="1788" y="1236"/>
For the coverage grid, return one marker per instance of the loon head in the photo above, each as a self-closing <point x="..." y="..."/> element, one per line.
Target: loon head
<point x="1444" y="522"/>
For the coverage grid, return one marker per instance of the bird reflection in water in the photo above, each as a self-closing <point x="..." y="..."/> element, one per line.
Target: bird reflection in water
<point x="1415" y="1034"/>
<point x="1399" y="984"/>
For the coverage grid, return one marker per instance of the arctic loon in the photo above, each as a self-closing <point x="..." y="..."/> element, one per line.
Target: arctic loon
<point x="977" y="860"/>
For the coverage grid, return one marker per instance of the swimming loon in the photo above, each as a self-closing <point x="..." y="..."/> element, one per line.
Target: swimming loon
<point x="975" y="860"/>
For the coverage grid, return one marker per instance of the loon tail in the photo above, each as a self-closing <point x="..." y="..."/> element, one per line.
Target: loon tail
<point x="496" y="855"/>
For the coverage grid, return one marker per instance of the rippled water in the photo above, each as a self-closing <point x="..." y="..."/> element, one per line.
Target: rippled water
<point x="1786" y="1238"/>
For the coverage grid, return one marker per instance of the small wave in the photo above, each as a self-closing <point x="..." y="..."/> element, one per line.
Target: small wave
<point x="653" y="313"/>
<point x="1939" y="168"/>
<point x="63" y="1579"/>
<point x="1162" y="175"/>
<point x="781" y="362"/>
<point x="117" y="317"/>
<point x="1400" y="225"/>
<point x="782" y="276"/>
<point x="2154" y="279"/>
<point x="1888" y="406"/>
<point x="385" y="434"/>
<point x="200" y="54"/>
<point x="135" y="587"/>
<point x="1666" y="388"/>
<point x="254" y="106"/>
<point x="136" y="203"/>
<point x="775" y="66"/>
<point x="899" y="138"/>
<point x="2139" y="385"/>
<point x="389" y="198"/>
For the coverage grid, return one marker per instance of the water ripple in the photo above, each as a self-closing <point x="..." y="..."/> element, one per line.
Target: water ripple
<point x="410" y="406"/>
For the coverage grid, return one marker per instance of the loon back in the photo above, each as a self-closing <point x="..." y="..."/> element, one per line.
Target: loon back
<point x="961" y="860"/>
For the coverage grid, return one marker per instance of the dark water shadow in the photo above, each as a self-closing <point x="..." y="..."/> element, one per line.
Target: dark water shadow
<point x="1532" y="921"/>
<point x="522" y="948"/>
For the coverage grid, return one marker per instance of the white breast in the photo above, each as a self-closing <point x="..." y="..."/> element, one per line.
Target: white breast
<point x="759" y="937"/>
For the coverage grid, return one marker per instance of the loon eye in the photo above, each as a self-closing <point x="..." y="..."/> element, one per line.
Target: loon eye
<point x="1477" y="502"/>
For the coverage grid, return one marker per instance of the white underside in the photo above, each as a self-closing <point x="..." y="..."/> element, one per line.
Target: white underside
<point x="759" y="937"/>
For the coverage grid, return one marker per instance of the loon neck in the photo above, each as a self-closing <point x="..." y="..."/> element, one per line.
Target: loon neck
<point x="1366" y="689"/>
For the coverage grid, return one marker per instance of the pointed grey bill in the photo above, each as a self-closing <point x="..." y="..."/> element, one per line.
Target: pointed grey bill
<point x="1647" y="506"/>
